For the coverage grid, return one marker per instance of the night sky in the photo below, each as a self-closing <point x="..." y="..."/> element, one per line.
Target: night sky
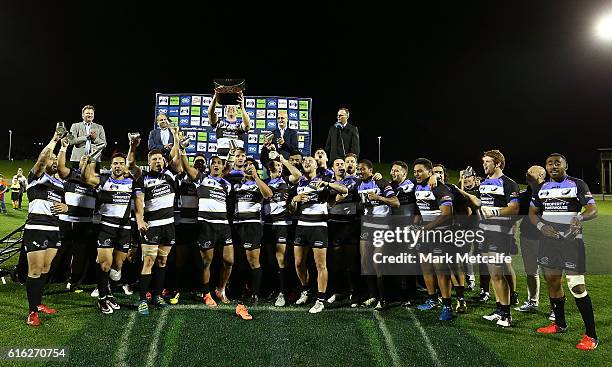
<point x="442" y="80"/>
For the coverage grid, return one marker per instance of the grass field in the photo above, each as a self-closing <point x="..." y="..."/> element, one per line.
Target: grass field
<point x="190" y="334"/>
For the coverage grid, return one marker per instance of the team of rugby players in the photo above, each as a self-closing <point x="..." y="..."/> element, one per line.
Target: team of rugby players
<point x="223" y="205"/>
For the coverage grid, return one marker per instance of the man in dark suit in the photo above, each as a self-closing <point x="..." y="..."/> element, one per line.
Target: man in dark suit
<point x="284" y="142"/>
<point x="343" y="138"/>
<point x="286" y="139"/>
<point x="161" y="138"/>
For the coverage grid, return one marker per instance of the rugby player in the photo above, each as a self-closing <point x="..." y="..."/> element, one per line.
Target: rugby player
<point x="462" y="222"/>
<point x="154" y="206"/>
<point x="313" y="193"/>
<point x="404" y="188"/>
<point x="498" y="202"/>
<point x="435" y="212"/>
<point x="343" y="228"/>
<point x="229" y="128"/>
<point x="249" y="193"/>
<point x="213" y="225"/>
<point x="275" y="215"/>
<point x="41" y="235"/>
<point x="186" y="225"/>
<point x="114" y="194"/>
<point x="77" y="229"/>
<point x="377" y="197"/>
<point x="558" y="210"/>
<point x="321" y="158"/>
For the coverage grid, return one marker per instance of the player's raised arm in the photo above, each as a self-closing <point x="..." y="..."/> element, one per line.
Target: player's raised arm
<point x="212" y="115"/>
<point x="62" y="170"/>
<point x="135" y="171"/>
<point x="41" y="162"/>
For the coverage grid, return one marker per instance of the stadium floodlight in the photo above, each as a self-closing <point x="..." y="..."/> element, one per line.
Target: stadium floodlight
<point x="603" y="27"/>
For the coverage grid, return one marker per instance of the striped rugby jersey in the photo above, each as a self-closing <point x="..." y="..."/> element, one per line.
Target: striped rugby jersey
<point x="275" y="210"/>
<point x="43" y="191"/>
<point x="405" y="195"/>
<point x="186" y="200"/>
<point x="498" y="193"/>
<point x="430" y="200"/>
<point x="313" y="212"/>
<point x="213" y="193"/>
<point x="561" y="201"/>
<point x="345" y="211"/>
<point x="380" y="187"/>
<point x="80" y="198"/>
<point x="248" y="202"/>
<point x="115" y="198"/>
<point x="158" y="190"/>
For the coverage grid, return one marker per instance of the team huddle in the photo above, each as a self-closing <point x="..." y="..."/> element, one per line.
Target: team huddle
<point x="223" y="205"/>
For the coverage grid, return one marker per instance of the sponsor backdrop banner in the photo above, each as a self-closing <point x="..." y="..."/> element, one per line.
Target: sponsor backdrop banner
<point x="191" y="112"/>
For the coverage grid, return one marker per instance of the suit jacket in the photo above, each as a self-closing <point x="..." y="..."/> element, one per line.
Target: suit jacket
<point x="290" y="144"/>
<point x="79" y="132"/>
<point x="342" y="141"/>
<point x="155" y="141"/>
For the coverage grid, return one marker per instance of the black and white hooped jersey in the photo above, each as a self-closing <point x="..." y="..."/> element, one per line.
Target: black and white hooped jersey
<point x="275" y="210"/>
<point x="186" y="200"/>
<point x="43" y="191"/>
<point x="213" y="196"/>
<point x="345" y="211"/>
<point x="498" y="193"/>
<point x="313" y="212"/>
<point x="405" y="195"/>
<point x="158" y="190"/>
<point x="560" y="201"/>
<point x="230" y="130"/>
<point x="248" y="202"/>
<point x="429" y="201"/>
<point x="380" y="187"/>
<point x="115" y="198"/>
<point x="80" y="198"/>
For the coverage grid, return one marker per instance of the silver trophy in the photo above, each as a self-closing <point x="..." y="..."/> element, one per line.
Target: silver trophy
<point x="185" y="142"/>
<point x="60" y="130"/>
<point x="133" y="136"/>
<point x="269" y="137"/>
<point x="273" y="155"/>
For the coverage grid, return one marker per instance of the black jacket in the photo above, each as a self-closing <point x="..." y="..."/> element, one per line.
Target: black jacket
<point x="341" y="141"/>
<point x="291" y="141"/>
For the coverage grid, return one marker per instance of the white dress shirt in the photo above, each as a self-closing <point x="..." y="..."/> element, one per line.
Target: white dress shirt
<point x="165" y="136"/>
<point x="88" y="142"/>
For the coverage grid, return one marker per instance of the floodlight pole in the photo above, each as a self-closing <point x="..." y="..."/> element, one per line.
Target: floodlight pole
<point x="10" y="143"/>
<point x="379" y="148"/>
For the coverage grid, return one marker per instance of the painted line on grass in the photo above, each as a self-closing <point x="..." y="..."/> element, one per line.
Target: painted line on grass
<point x="267" y="308"/>
<point x="432" y="351"/>
<point x="154" y="350"/>
<point x="125" y="340"/>
<point x="388" y="339"/>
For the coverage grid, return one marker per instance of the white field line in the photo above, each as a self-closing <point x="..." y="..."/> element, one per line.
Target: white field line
<point x="388" y="339"/>
<point x="432" y="351"/>
<point x="125" y="340"/>
<point x="154" y="349"/>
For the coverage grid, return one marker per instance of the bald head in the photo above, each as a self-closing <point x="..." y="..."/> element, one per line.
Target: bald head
<point x="535" y="174"/>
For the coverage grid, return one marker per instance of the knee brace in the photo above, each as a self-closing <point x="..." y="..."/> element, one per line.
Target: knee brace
<point x="573" y="281"/>
<point x="162" y="253"/>
<point x="149" y="252"/>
